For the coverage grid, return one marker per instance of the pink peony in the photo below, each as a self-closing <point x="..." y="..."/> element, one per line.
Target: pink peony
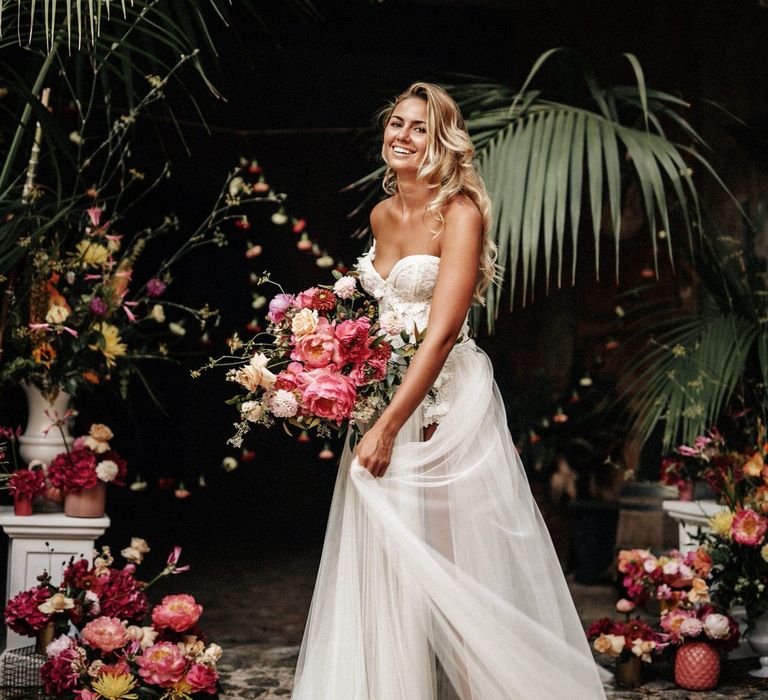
<point x="22" y="614"/>
<point x="179" y="612"/>
<point x="748" y="527"/>
<point x="672" y="621"/>
<point x="303" y="300"/>
<point x="691" y="627"/>
<point x="327" y="393"/>
<point x="75" y="471"/>
<point x="105" y="633"/>
<point x="319" y="348"/>
<point x="374" y="368"/>
<point x="203" y="679"/>
<point x="278" y="306"/>
<point x="162" y="664"/>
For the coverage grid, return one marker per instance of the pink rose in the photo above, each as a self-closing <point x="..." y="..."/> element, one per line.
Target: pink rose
<point x="374" y="368"/>
<point x="303" y="300"/>
<point x="203" y="679"/>
<point x="287" y="379"/>
<point x="278" y="306"/>
<point x="105" y="633"/>
<point x="318" y="348"/>
<point x="162" y="664"/>
<point x="691" y="627"/>
<point x="179" y="612"/>
<point x="748" y="527"/>
<point x="327" y="393"/>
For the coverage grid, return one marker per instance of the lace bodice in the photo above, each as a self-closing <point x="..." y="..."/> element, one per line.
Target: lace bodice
<point x="404" y="300"/>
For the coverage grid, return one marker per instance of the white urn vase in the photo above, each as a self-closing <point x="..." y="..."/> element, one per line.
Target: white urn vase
<point x="41" y="441"/>
<point x="758" y="640"/>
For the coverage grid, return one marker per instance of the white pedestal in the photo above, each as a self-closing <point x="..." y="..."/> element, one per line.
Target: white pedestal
<point x="690" y="515"/>
<point x="44" y="542"/>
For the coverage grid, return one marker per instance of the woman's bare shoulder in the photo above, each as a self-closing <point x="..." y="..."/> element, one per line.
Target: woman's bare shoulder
<point x="461" y="208"/>
<point x="380" y="213"/>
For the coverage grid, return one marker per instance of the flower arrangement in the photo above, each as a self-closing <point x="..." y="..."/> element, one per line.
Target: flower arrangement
<point x="112" y="653"/>
<point x="26" y="483"/>
<point x="327" y="361"/>
<point x="702" y="623"/>
<point x="622" y="640"/>
<point x="75" y="313"/>
<point x="89" y="461"/>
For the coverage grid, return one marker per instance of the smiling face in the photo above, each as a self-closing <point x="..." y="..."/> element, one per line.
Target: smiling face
<point x="405" y="135"/>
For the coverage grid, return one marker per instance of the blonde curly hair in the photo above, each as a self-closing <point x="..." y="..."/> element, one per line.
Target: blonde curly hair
<point x="449" y="168"/>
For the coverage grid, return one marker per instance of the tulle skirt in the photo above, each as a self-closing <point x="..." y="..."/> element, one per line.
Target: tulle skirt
<point x="439" y="580"/>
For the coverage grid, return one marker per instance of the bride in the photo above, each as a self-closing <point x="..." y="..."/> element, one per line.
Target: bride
<point x="438" y="578"/>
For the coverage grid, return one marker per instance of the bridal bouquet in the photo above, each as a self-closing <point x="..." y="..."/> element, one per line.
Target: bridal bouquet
<point x="325" y="362"/>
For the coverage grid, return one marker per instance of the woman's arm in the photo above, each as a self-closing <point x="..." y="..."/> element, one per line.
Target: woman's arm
<point x="461" y="244"/>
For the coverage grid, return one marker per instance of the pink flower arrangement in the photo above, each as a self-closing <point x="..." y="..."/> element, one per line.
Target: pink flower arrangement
<point x="26" y="483"/>
<point x="90" y="460"/>
<point x="111" y="654"/>
<point x="704" y="622"/>
<point x="177" y="612"/>
<point x="327" y="365"/>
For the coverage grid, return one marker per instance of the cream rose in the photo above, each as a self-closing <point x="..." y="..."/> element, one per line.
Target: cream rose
<point x="98" y="437"/>
<point x="717" y="626"/>
<point x="304" y="322"/>
<point x="699" y="592"/>
<point x="145" y="636"/>
<point x="107" y="470"/>
<point x="57" y="314"/>
<point x="211" y="655"/>
<point x="609" y="644"/>
<point x="255" y="374"/>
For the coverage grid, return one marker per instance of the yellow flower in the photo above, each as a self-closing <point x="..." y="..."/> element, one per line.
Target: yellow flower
<point x="112" y="346"/>
<point x="764" y="552"/>
<point x="92" y="254"/>
<point x="115" y="687"/>
<point x="721" y="523"/>
<point x="180" y="690"/>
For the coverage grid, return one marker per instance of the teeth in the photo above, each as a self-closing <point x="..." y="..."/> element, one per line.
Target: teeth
<point x="403" y="151"/>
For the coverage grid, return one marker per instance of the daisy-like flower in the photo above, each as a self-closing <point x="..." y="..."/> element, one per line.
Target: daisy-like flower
<point x="111" y="346"/>
<point x="115" y="687"/>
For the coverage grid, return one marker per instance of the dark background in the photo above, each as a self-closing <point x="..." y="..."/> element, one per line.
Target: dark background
<point x="300" y="98"/>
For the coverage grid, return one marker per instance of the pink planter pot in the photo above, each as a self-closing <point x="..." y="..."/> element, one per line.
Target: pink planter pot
<point x="88" y="504"/>
<point x="697" y="666"/>
<point x="22" y="506"/>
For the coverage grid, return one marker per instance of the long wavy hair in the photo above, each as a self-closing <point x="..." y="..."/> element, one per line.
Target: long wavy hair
<point x="448" y="167"/>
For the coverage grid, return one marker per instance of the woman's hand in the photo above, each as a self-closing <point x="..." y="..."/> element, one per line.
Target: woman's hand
<point x="374" y="451"/>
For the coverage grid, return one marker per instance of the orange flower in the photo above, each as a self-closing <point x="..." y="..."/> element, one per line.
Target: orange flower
<point x="702" y="562"/>
<point x="754" y="465"/>
<point x="44" y="354"/>
<point x="760" y="497"/>
<point x="91" y="377"/>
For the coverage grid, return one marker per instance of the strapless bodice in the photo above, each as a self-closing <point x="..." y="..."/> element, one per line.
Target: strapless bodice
<point x="405" y="298"/>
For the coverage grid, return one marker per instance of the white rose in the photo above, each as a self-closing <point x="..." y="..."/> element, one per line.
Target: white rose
<point x="107" y="470"/>
<point x="252" y="411"/>
<point x="144" y="635"/>
<point x="158" y="313"/>
<point x="716" y="626"/>
<point x="177" y="328"/>
<point x="304" y="322"/>
<point x="211" y="655"/>
<point x="57" y="314"/>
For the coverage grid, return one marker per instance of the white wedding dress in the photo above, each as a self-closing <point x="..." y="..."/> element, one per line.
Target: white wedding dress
<point x="439" y="580"/>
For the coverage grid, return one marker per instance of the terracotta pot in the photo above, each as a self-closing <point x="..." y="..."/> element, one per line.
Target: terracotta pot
<point x="88" y="504"/>
<point x="629" y="672"/>
<point x="697" y="666"/>
<point x="22" y="506"/>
